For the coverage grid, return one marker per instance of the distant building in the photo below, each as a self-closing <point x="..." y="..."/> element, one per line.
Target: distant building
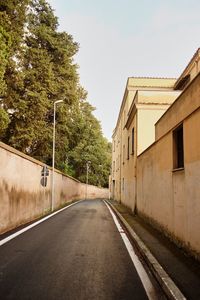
<point x="156" y="153"/>
<point x="144" y="102"/>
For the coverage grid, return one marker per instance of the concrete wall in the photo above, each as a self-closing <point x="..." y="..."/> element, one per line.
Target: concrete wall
<point x="23" y="198"/>
<point x="170" y="197"/>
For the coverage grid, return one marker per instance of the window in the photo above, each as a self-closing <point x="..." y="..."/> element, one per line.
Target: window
<point x="123" y="154"/>
<point x="124" y="117"/>
<point x="128" y="147"/>
<point x="133" y="140"/>
<point x="113" y="168"/>
<point x="178" y="151"/>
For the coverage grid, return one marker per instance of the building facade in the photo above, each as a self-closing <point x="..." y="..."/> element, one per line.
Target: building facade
<point x="144" y="102"/>
<point x="158" y="153"/>
<point x="168" y="173"/>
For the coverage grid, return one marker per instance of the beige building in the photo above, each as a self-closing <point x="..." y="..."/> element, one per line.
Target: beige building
<point x="144" y="102"/>
<point x="156" y="153"/>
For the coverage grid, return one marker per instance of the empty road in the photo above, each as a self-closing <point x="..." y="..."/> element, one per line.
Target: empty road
<point x="76" y="254"/>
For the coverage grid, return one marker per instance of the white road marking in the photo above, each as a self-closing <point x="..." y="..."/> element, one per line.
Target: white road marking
<point x="12" y="236"/>
<point x="149" y="288"/>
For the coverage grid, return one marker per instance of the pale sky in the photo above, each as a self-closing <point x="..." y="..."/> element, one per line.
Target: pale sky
<point x="123" y="38"/>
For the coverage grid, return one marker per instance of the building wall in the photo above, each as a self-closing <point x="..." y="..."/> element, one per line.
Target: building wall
<point x="128" y="166"/>
<point x="23" y="198"/>
<point x="145" y="127"/>
<point x="116" y="161"/>
<point x="144" y="101"/>
<point x="167" y="197"/>
<point x="177" y="112"/>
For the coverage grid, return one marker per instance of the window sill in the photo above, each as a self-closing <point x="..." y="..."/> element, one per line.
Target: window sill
<point x="178" y="170"/>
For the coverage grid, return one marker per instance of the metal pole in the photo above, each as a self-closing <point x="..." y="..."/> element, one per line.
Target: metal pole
<point x="87" y="170"/>
<point x="100" y="174"/>
<point x="53" y="155"/>
<point x="86" y="181"/>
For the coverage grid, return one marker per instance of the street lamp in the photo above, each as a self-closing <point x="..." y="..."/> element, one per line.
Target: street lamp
<point x="87" y="170"/>
<point x="53" y="155"/>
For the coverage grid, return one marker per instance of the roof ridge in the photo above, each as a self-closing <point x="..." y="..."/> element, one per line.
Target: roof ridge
<point x="151" y="77"/>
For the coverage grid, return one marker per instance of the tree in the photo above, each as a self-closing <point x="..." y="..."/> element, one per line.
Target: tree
<point x="37" y="70"/>
<point x="48" y="75"/>
<point x="4" y="54"/>
<point x="12" y="21"/>
<point x="4" y="120"/>
<point x="88" y="144"/>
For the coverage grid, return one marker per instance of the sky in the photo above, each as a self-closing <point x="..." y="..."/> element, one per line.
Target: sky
<point x="124" y="38"/>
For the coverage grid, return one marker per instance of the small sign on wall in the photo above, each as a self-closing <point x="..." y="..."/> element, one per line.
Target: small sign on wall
<point x="44" y="174"/>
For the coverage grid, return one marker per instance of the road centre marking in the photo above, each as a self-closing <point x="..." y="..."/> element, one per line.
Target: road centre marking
<point x="14" y="235"/>
<point x="149" y="288"/>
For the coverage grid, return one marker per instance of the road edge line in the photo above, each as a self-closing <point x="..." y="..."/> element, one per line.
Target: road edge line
<point x="14" y="235"/>
<point x="142" y="273"/>
<point x="167" y="284"/>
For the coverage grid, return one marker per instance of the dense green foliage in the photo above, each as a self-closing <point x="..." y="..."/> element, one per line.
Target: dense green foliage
<point x="37" y="68"/>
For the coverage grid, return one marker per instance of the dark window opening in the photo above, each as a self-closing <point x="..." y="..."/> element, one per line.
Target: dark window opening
<point x="183" y="82"/>
<point x="178" y="148"/>
<point x="128" y="148"/>
<point x="133" y="141"/>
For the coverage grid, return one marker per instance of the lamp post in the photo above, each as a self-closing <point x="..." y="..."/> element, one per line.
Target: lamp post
<point x="87" y="170"/>
<point x="53" y="155"/>
<point x="100" y="174"/>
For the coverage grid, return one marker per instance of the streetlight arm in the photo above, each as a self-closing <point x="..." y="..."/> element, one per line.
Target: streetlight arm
<point x="58" y="101"/>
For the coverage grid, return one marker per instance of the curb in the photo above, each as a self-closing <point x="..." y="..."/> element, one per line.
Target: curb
<point x="167" y="284"/>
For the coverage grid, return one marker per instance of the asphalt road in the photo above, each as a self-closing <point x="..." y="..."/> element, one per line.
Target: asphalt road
<point x="76" y="254"/>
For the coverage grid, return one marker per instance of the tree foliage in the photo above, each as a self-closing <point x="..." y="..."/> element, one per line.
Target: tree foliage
<point x="88" y="144"/>
<point x="37" y="69"/>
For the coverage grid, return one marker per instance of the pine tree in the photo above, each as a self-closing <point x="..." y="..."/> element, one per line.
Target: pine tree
<point x="12" y="22"/>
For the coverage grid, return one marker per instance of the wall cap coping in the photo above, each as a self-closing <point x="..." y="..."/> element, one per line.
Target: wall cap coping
<point x="33" y="160"/>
